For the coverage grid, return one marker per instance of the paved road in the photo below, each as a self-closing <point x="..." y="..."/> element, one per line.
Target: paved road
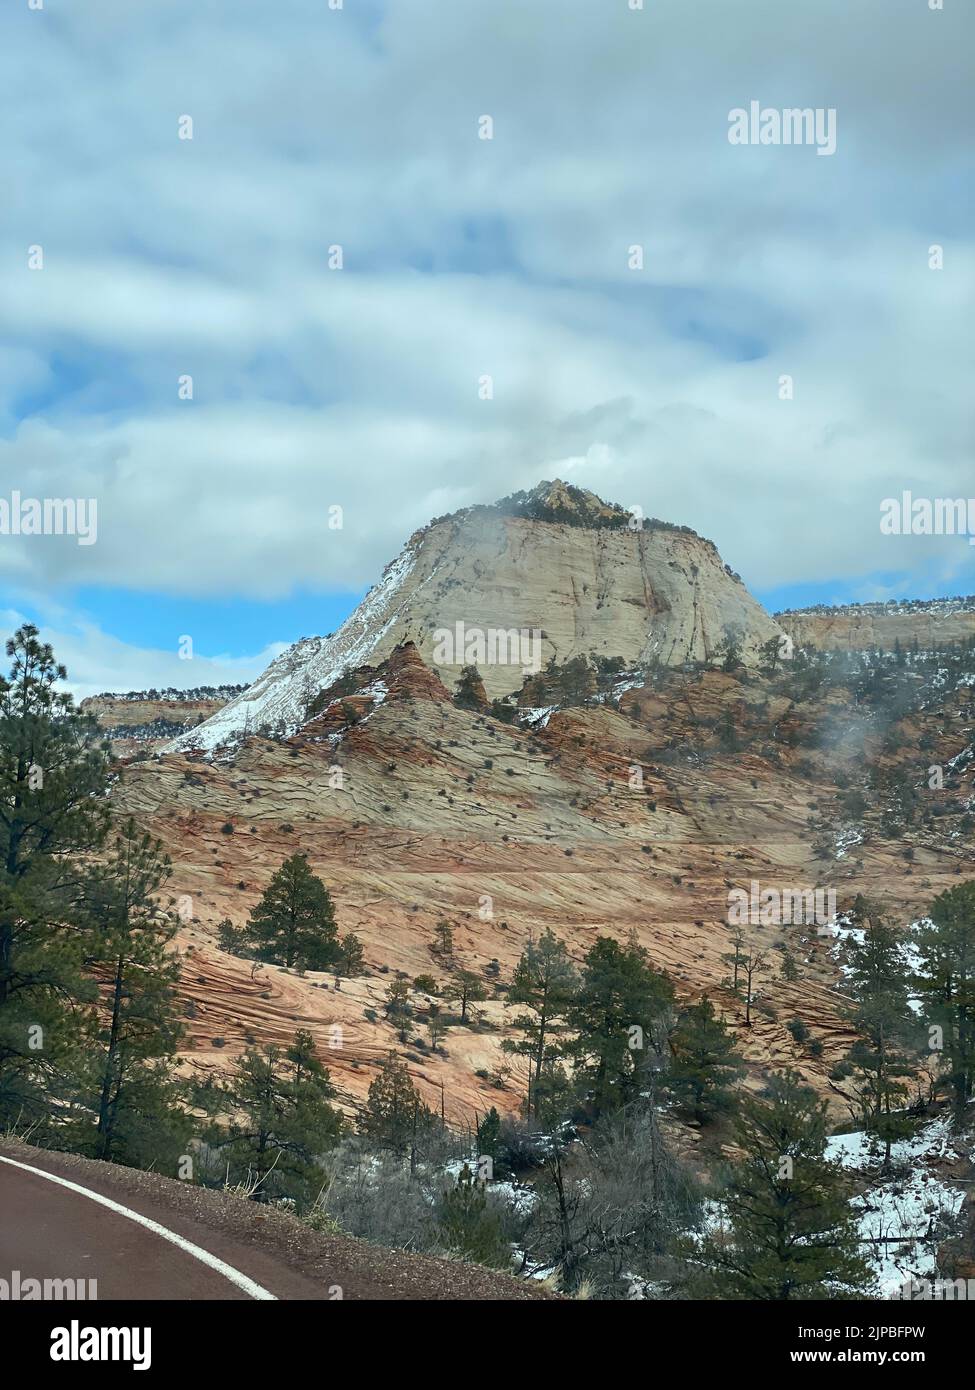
<point x="142" y="1236"/>
<point x="49" y="1231"/>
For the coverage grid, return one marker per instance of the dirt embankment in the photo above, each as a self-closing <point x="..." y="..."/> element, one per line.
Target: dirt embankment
<point x="50" y="1231"/>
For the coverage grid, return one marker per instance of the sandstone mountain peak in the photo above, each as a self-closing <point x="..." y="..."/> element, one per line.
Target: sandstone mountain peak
<point x="553" y="573"/>
<point x="563" y="503"/>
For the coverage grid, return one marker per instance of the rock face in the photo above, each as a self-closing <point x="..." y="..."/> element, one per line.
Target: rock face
<point x="858" y="627"/>
<point x="144" y="725"/>
<point x="554" y="572"/>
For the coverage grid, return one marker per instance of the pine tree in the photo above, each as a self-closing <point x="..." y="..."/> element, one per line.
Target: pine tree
<point x="727" y="732"/>
<point x="398" y="1008"/>
<point x="489" y="1134"/>
<point x="735" y="957"/>
<point x="231" y="938"/>
<point x="877" y="982"/>
<point x="469" y="1227"/>
<point x="619" y="1019"/>
<point x="769" y="653"/>
<point x="788" y="968"/>
<point x="752" y="962"/>
<point x="503" y="712"/>
<point x="730" y="650"/>
<point x="470" y="692"/>
<point x="351" y="955"/>
<point x="791" y="1231"/>
<point x="946" y="982"/>
<point x="544" y="980"/>
<point x="469" y="989"/>
<point x="53" y="775"/>
<point x="135" y="1093"/>
<point x="704" y="1063"/>
<point x="294" y="922"/>
<point x="436" y="1026"/>
<point x="443" y="940"/>
<point x="576" y="682"/>
<point x="279" y="1122"/>
<point x="394" y="1116"/>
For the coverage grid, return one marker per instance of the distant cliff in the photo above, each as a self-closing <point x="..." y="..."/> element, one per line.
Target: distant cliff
<point x="854" y="627"/>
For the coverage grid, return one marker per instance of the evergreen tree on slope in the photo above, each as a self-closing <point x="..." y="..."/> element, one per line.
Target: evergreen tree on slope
<point x="294" y="922"/>
<point x="54" y="772"/>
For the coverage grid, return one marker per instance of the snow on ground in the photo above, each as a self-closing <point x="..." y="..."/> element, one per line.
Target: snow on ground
<point x="634" y="681"/>
<point x="842" y="931"/>
<point x="961" y="760"/>
<point x="377" y="692"/>
<point x="915" y="1203"/>
<point x="537" y="718"/>
<point x="846" y="840"/>
<point x="518" y="1196"/>
<point x="857" y="1151"/>
<point x="960" y="603"/>
<point x="903" y="1218"/>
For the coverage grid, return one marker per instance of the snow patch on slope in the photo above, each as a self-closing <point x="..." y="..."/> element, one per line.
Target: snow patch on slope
<point x="903" y="1219"/>
<point x="279" y="698"/>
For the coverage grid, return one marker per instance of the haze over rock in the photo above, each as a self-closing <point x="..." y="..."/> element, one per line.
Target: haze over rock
<point x="556" y="561"/>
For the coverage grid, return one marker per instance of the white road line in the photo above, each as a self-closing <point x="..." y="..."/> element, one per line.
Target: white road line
<point x="234" y="1275"/>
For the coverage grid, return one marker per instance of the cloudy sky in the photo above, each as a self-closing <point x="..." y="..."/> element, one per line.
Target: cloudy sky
<point x="359" y="127"/>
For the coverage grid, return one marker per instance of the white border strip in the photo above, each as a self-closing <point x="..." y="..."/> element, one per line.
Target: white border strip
<point x="242" y="1281"/>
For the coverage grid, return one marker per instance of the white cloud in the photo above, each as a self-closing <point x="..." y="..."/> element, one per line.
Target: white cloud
<point x="465" y="257"/>
<point x="97" y="662"/>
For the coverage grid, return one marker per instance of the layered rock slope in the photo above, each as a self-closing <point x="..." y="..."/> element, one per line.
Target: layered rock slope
<point x="443" y="813"/>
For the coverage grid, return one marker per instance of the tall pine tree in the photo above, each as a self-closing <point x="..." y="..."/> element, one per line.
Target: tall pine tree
<point x="544" y="980"/>
<point x="946" y="983"/>
<point x="129" y="1068"/>
<point x="294" y="922"/>
<point x="704" y="1064"/>
<point x="619" y="1016"/>
<point x="791" y="1232"/>
<point x="53" y="776"/>
<point x="280" y="1122"/>
<point x="877" y="982"/>
<point x="394" y="1116"/>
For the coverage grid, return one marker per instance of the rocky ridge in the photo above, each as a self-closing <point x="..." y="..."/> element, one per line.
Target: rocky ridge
<point x="860" y="627"/>
<point x="557" y="562"/>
